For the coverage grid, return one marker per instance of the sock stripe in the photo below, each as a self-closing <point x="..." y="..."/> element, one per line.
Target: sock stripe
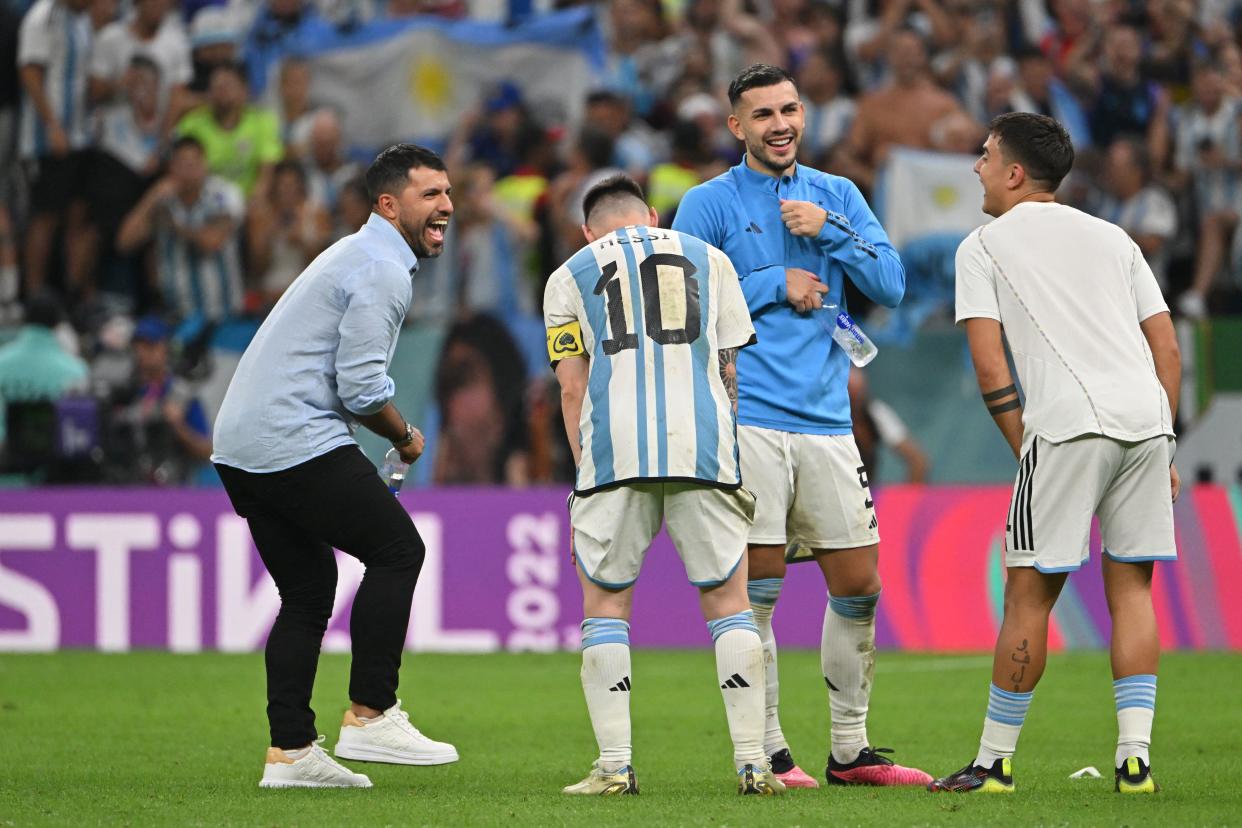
<point x="605" y="631"/>
<point x="764" y="590"/>
<point x="855" y="607"/>
<point x="1135" y="691"/>
<point x="744" y="620"/>
<point x="1006" y="707"/>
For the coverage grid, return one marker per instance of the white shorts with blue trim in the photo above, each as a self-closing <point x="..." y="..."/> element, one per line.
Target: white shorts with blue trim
<point x="811" y="490"/>
<point x="1061" y="486"/>
<point x="613" y="530"/>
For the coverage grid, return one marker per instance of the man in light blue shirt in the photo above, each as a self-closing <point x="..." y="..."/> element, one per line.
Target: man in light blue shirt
<point x="285" y="451"/>
<point x="795" y="235"/>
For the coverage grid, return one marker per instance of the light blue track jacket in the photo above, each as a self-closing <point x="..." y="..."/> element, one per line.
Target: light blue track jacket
<point x="795" y="378"/>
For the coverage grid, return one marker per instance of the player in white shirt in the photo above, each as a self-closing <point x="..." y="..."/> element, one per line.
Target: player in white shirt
<point x="1098" y="362"/>
<point x="644" y="325"/>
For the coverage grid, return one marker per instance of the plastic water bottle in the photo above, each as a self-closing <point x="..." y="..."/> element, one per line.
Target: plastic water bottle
<point x="394" y="470"/>
<point x="846" y="333"/>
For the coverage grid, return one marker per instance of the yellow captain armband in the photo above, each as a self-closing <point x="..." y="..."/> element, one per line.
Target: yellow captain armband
<point x="565" y="341"/>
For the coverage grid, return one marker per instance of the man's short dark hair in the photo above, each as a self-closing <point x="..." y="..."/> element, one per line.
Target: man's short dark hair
<point x="186" y="141"/>
<point x="1039" y="143"/>
<point x="390" y="171"/>
<point x="612" y="191"/>
<point x="756" y="77"/>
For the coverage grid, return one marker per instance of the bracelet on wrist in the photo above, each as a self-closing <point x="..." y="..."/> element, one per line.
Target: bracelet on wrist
<point x="407" y="439"/>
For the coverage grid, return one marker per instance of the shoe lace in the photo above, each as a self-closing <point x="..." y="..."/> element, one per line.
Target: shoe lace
<point x="402" y="720"/>
<point x="875" y="755"/>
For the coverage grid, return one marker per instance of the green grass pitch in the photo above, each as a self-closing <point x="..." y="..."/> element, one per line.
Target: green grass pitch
<point x="158" y="739"/>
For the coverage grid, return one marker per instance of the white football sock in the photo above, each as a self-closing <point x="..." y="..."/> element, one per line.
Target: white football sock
<point x="739" y="671"/>
<point x="763" y="593"/>
<point x="847" y="656"/>
<point x="1136" y="708"/>
<point x="1002" y="725"/>
<point x="606" y="685"/>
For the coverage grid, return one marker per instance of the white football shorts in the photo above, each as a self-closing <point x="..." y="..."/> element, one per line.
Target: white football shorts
<point x="811" y="490"/>
<point x="613" y="530"/>
<point x="1060" y="486"/>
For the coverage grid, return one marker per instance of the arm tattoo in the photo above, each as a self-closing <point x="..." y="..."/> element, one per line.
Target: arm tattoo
<point x="1001" y="408"/>
<point x="728" y="372"/>
<point x="1000" y="393"/>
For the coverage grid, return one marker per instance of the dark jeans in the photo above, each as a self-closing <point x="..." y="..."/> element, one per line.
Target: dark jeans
<point x="296" y="517"/>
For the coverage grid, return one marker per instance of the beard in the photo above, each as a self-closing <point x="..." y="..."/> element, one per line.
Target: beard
<point x="761" y="152"/>
<point x="416" y="237"/>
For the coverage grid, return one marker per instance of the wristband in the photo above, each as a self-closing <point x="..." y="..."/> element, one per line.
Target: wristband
<point x="407" y="439"/>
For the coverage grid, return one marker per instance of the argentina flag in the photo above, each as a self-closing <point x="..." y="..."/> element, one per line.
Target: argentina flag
<point x="413" y="80"/>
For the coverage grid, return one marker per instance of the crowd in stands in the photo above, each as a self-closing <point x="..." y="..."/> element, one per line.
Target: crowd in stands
<point x="166" y="172"/>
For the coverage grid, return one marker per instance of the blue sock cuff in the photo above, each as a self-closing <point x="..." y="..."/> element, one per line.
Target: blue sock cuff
<point x="855" y="607"/>
<point x="744" y="620"/>
<point x="1007" y="707"/>
<point x="764" y="591"/>
<point x="1135" y="691"/>
<point x="605" y="631"/>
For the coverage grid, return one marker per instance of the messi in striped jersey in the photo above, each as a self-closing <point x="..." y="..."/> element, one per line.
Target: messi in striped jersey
<point x="644" y="325"/>
<point x="652" y="308"/>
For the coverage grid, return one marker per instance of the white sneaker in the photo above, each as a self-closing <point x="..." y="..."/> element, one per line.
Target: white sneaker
<point x="390" y="739"/>
<point x="315" y="769"/>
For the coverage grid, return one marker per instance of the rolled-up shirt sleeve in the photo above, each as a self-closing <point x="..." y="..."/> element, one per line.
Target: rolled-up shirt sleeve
<point x="377" y="299"/>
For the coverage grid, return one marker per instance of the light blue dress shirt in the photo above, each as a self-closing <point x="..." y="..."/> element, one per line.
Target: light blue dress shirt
<point x="321" y="356"/>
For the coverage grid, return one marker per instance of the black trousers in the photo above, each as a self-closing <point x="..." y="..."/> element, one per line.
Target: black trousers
<point x="296" y="517"/>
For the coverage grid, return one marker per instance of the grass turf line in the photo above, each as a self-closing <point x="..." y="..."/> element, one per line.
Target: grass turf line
<point x="160" y="739"/>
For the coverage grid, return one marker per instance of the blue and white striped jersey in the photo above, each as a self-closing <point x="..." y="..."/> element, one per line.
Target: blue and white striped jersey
<point x="650" y="309"/>
<point x="58" y="39"/>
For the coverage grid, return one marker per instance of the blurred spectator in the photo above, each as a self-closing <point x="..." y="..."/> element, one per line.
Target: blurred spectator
<point x="452" y="9"/>
<point x="1123" y="100"/>
<point x="214" y="39"/>
<point x="151" y="32"/>
<point x="874" y="26"/>
<point x="1040" y="90"/>
<point x="1136" y="205"/>
<point x="157" y="424"/>
<point x="727" y="38"/>
<point x="10" y="98"/>
<point x="493" y="134"/>
<point x="903" y="112"/>
<point x="280" y="27"/>
<point x="1072" y="32"/>
<point x="978" y="53"/>
<point x="641" y="61"/>
<point x="1209" y="152"/>
<point x="53" y="48"/>
<point x="876" y="424"/>
<point x="636" y="147"/>
<point x="242" y="142"/>
<point x="480" y="388"/>
<point x="285" y="231"/>
<point x="194" y="219"/>
<point x="672" y="180"/>
<point x="485" y="244"/>
<point x="353" y="208"/>
<point x="294" y="109"/>
<point x="326" y="165"/>
<point x="590" y="161"/>
<point x="129" y="157"/>
<point x="829" y="112"/>
<point x="10" y="310"/>
<point x="35" y="367"/>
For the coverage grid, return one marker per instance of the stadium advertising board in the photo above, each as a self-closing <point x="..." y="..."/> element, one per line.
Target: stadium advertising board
<point x="115" y="570"/>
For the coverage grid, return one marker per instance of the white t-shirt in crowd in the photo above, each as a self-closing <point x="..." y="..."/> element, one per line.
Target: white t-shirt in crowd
<point x="1070" y="290"/>
<point x="59" y="40"/>
<point x="116" y="45"/>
